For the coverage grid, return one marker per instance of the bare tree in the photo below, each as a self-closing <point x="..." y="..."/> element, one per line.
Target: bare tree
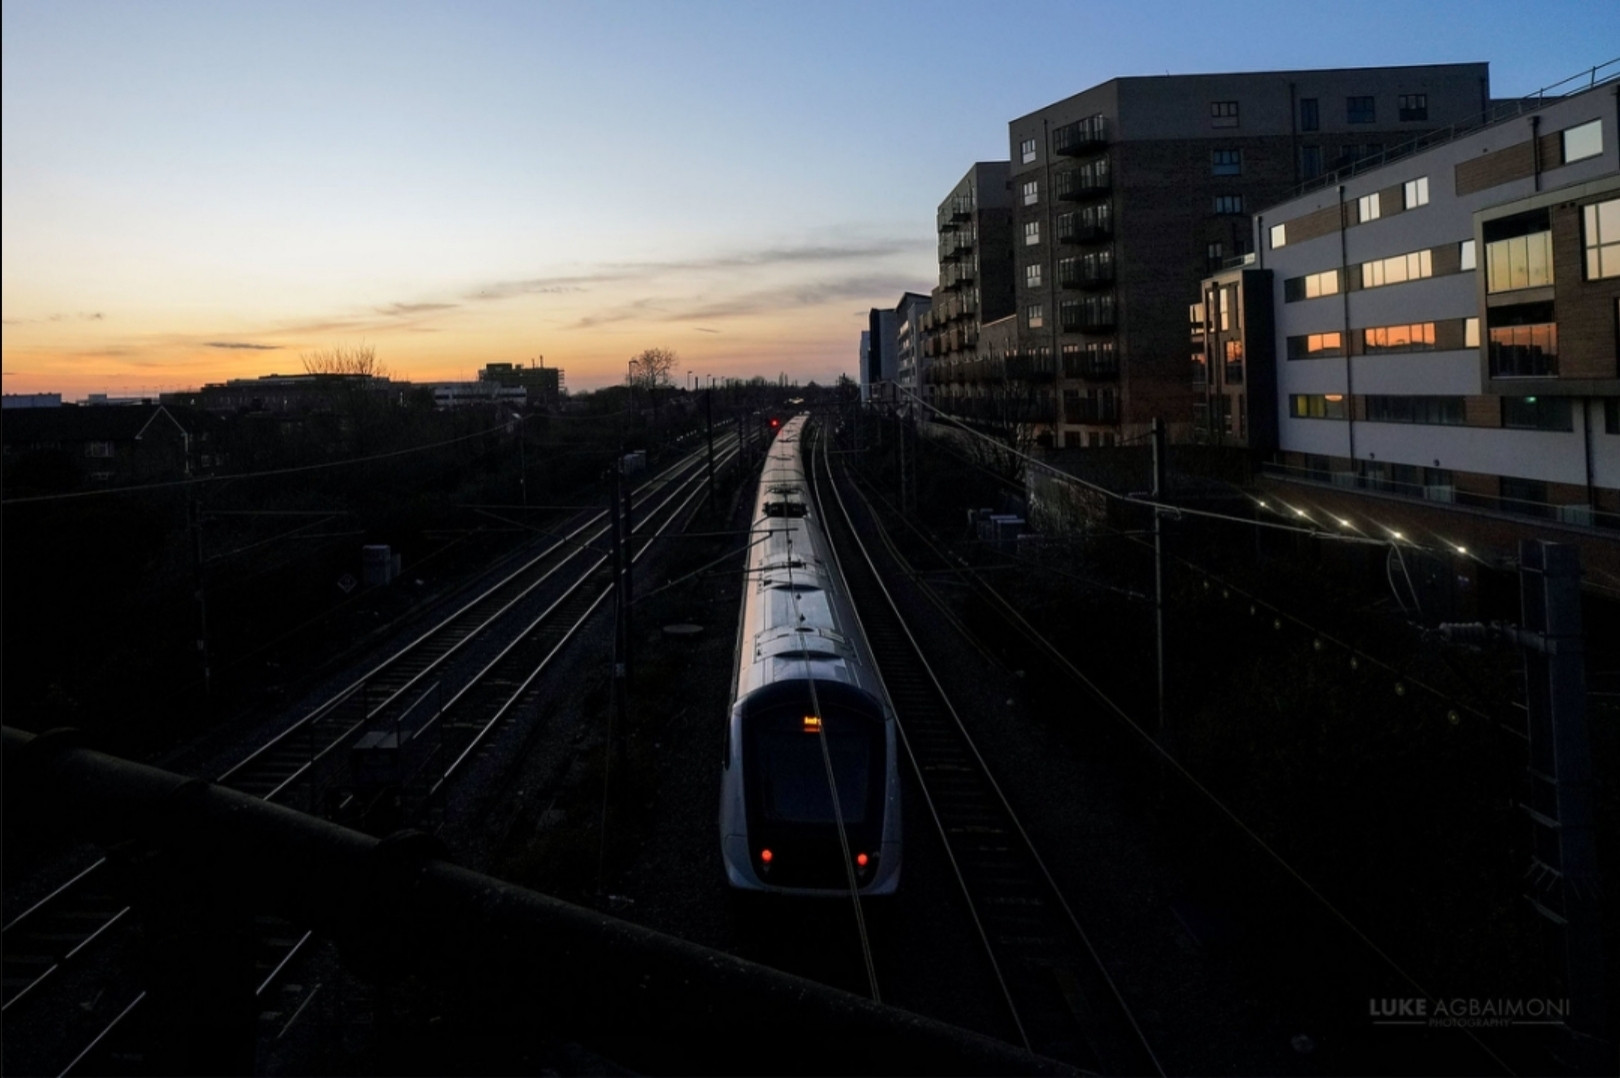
<point x="654" y="368"/>
<point x="344" y="359"/>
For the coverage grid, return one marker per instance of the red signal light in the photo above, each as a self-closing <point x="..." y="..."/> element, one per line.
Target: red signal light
<point x="775" y="423"/>
<point x="765" y="856"/>
<point x="861" y="859"/>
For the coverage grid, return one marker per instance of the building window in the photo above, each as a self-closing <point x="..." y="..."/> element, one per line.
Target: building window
<point x="1408" y="267"/>
<point x="1519" y="262"/>
<point x="1524" y="351"/>
<point x="1367" y="207"/>
<point x="1417" y="192"/>
<point x="1471" y="332"/>
<point x="99" y="449"/>
<point x="1226" y="162"/>
<point x="1032" y="233"/>
<point x="1310" y="162"/>
<point x="1526" y="496"/>
<point x="1316" y="405"/>
<point x="1214" y="253"/>
<point x="1310" y="118"/>
<point x="1032" y="275"/>
<point x="1417" y="337"/>
<point x="1279" y="236"/>
<point x="1601" y="238"/>
<point x="1465" y="255"/>
<point x="1223" y="114"/>
<point x="1311" y="286"/>
<point x="1413" y="106"/>
<point x="1611" y="415"/>
<point x="1226" y="307"/>
<point x="1360" y="110"/>
<point x="1316" y="345"/>
<point x="1032" y="192"/>
<point x="1537" y="413"/>
<point x="1433" y="411"/>
<point x="1026" y="150"/>
<point x="1583" y="141"/>
<point x="1035" y="316"/>
<point x="1228" y="203"/>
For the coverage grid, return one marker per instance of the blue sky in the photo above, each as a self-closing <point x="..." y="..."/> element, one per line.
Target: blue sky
<point x="194" y="191"/>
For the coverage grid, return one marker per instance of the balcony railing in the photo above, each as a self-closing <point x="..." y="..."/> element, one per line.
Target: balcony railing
<point x="1089" y="410"/>
<point x="1080" y="137"/>
<point x="1036" y="368"/>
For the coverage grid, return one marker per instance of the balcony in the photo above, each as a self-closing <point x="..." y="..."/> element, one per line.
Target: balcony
<point x="1080" y="137"/>
<point x="962" y="209"/>
<point x="1091" y="410"/>
<point x="1088" y="181"/>
<point x="1031" y="368"/>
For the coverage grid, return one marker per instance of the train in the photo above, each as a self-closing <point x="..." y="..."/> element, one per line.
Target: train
<point x="810" y="788"/>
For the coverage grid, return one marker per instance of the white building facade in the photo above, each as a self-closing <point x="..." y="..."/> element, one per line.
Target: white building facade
<point x="1447" y="324"/>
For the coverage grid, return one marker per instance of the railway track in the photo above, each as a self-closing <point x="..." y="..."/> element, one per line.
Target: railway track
<point x="439" y="697"/>
<point x="1060" y="998"/>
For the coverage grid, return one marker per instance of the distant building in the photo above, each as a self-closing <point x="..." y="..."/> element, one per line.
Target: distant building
<point x="288" y="393"/>
<point x="468" y="394"/>
<point x="31" y="400"/>
<point x="544" y="385"/>
<point x="861" y="362"/>
<point x="975" y="287"/>
<point x="52" y="449"/>
<point x="911" y="364"/>
<point x="882" y="356"/>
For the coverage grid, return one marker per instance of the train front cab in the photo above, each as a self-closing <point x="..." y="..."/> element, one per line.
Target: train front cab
<point x="781" y="833"/>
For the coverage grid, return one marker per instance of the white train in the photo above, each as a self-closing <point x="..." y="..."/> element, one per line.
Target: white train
<point x="811" y="739"/>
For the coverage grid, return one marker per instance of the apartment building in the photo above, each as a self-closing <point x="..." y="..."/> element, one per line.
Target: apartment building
<point x="911" y="360"/>
<point x="975" y="282"/>
<point x="1126" y="195"/>
<point x="1447" y="324"/>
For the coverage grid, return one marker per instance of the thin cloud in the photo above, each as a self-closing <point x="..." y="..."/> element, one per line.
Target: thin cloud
<point x="415" y="308"/>
<point x="243" y="345"/>
<point x="705" y="329"/>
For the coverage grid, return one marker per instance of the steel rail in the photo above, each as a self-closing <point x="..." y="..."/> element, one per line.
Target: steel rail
<point x="1029" y="848"/>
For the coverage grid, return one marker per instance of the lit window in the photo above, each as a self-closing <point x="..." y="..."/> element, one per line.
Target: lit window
<point x="1367" y="207"/>
<point x="1417" y="192"/>
<point x="1400" y="268"/>
<point x="1226" y="308"/>
<point x="1465" y="255"/>
<point x="1228" y="203"/>
<point x="1032" y="192"/>
<point x="1032" y="233"/>
<point x="1583" y="141"/>
<point x="1223" y="114"/>
<point x="1279" y="235"/>
<point x="1226" y="162"/>
<point x="1471" y="332"/>
<point x="1417" y="337"/>
<point x="1311" y="286"/>
<point x="1032" y="275"/>
<point x="1316" y="345"/>
<point x="1035" y="316"/>
<point x="1414" y="107"/>
<point x="1316" y="405"/>
<point x="1601" y="237"/>
<point x="1519" y="262"/>
<point x="1360" y="110"/>
<point x="1026" y="150"/>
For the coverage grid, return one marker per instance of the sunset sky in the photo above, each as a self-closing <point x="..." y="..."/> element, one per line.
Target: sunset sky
<point x="201" y="191"/>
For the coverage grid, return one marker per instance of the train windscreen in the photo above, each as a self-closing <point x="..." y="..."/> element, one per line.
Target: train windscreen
<point x="794" y="776"/>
